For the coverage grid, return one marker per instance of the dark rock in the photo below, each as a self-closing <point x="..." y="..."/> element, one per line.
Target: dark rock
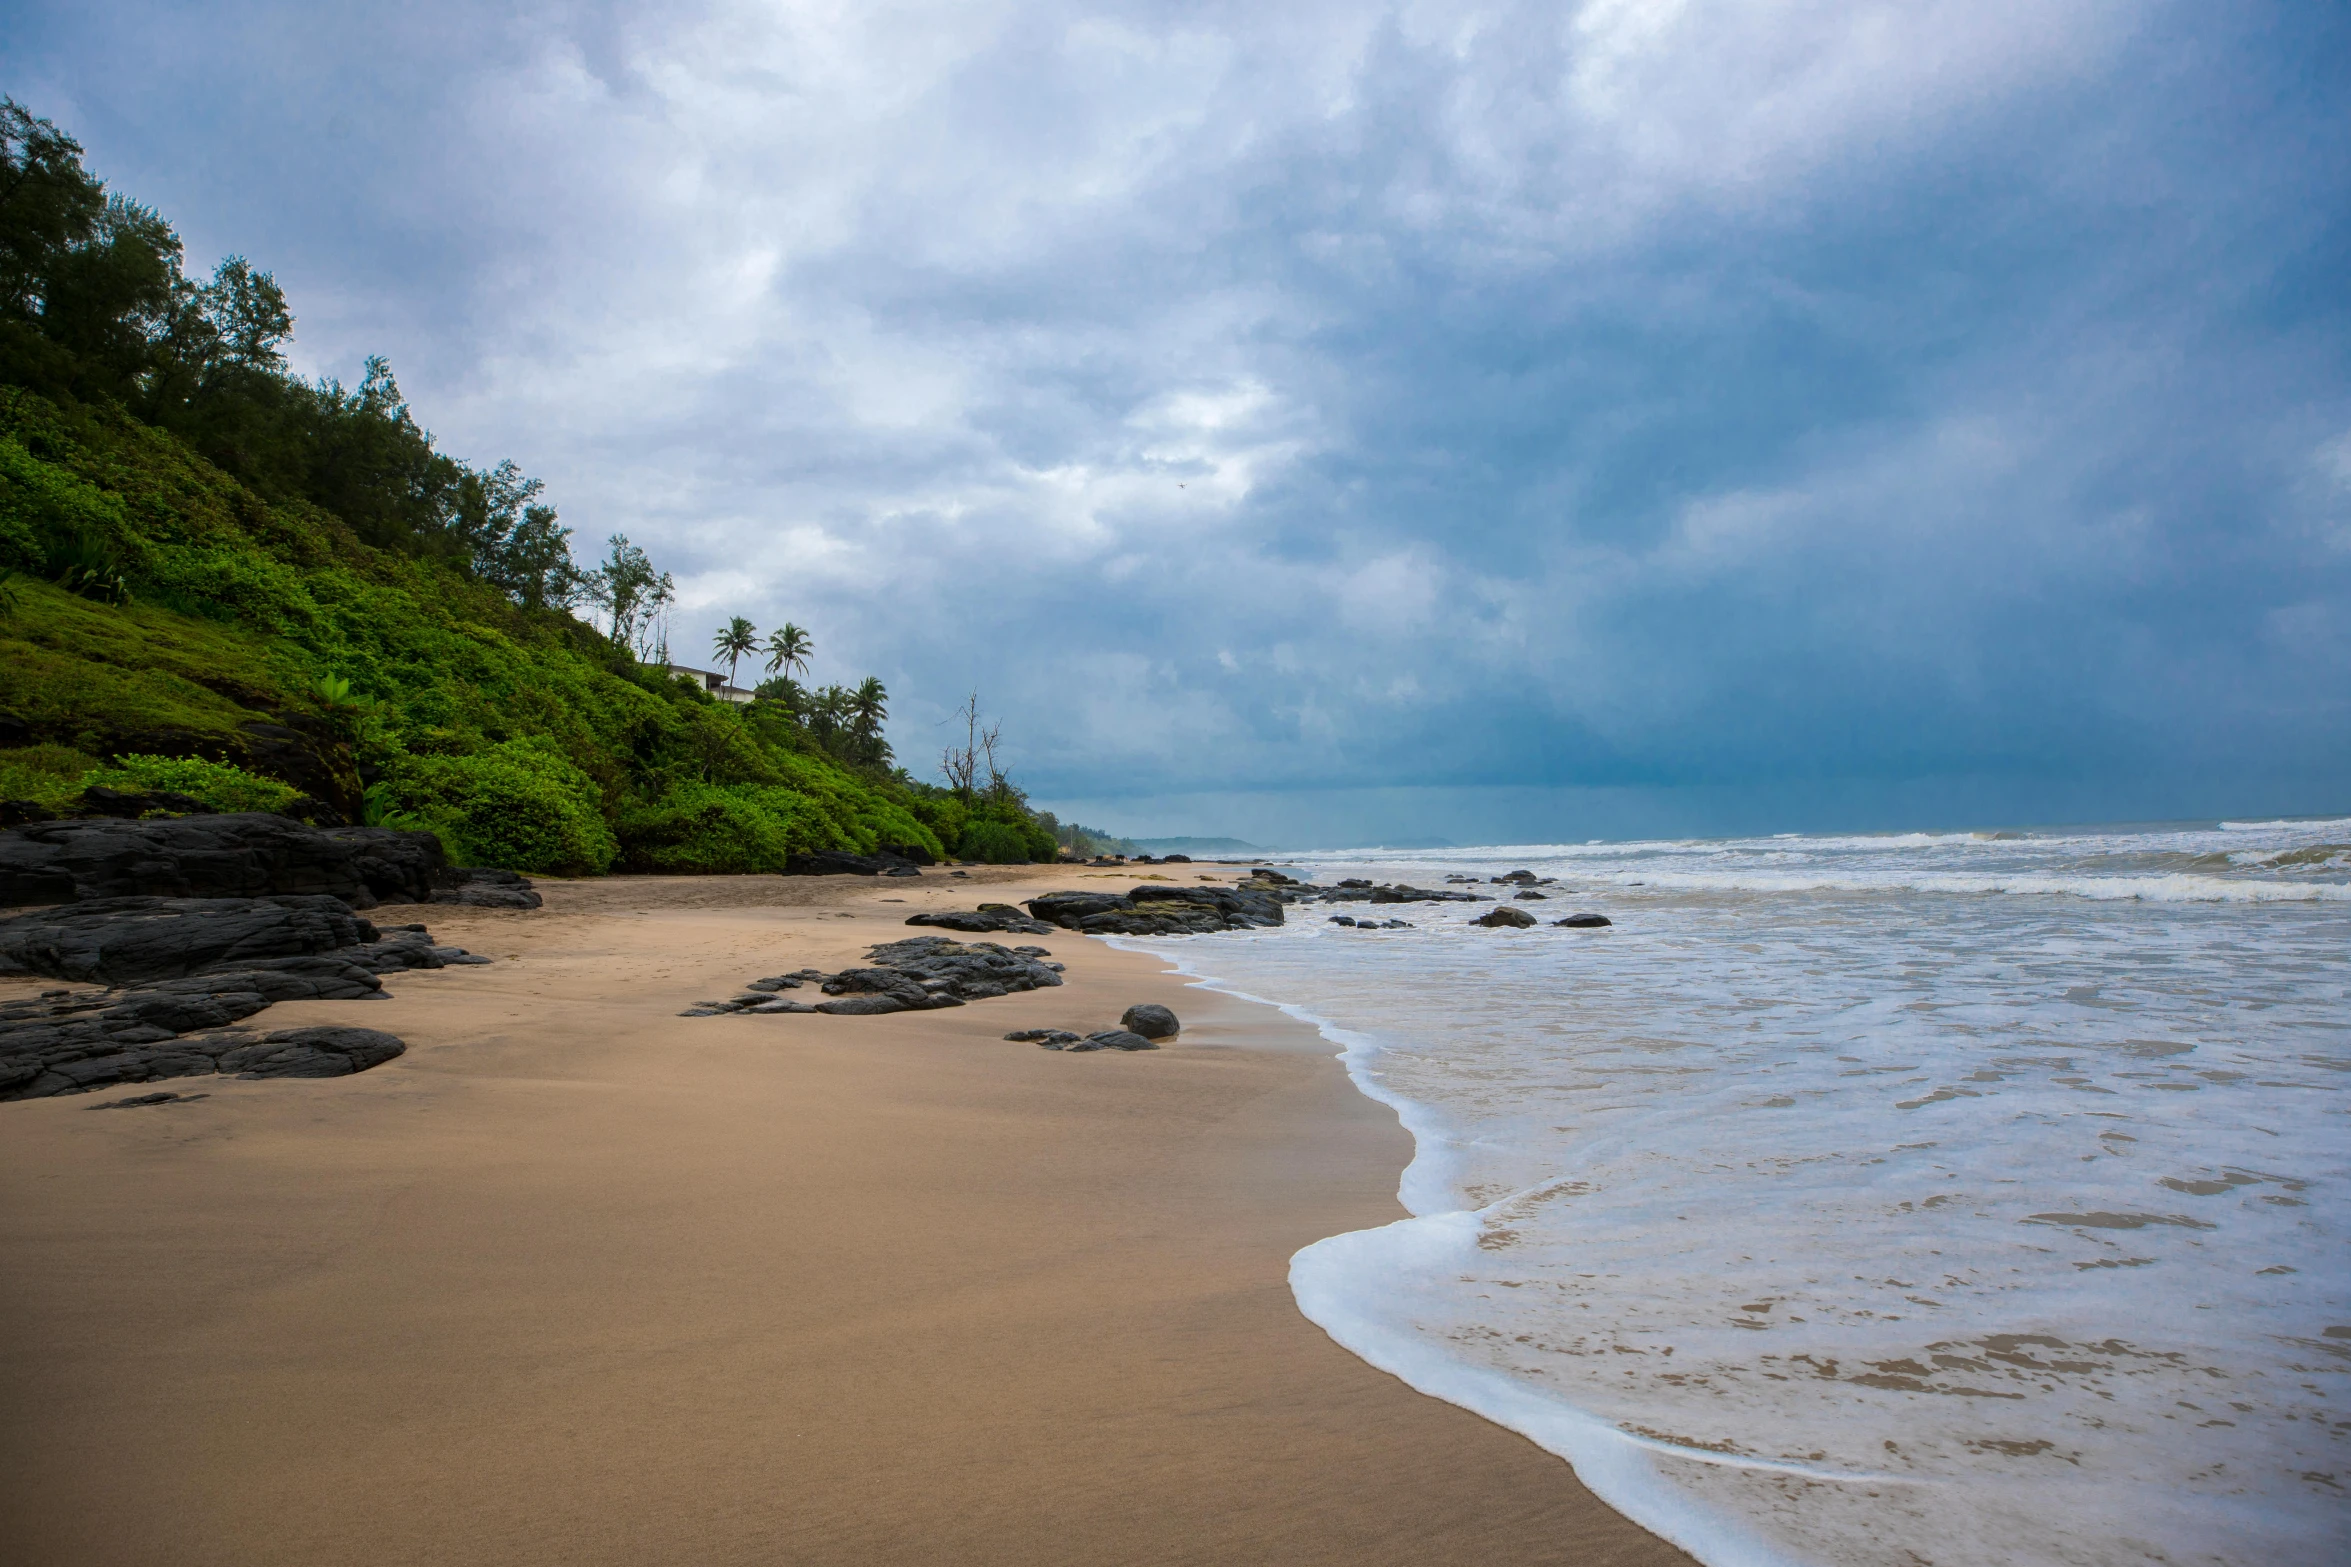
<point x="918" y="974"/>
<point x="911" y="853"/>
<point x="1505" y="916"/>
<point x="137" y="1100"/>
<point x="831" y="862"/>
<point x="1001" y="918"/>
<point x="244" y="854"/>
<point x="1113" y="1039"/>
<point x="1356" y="881"/>
<point x="72" y="1041"/>
<point x="127" y="940"/>
<point x="1525" y="878"/>
<point x="118" y="802"/>
<point x="480" y="887"/>
<point x="862" y="1006"/>
<point x="1342" y="919"/>
<point x="1175" y="859"/>
<point x="1584" y="921"/>
<point x="1151" y="1020"/>
<point x="1159" y="910"/>
<point x="1261" y="873"/>
<point x="312" y="1052"/>
<point x="17" y="813"/>
<point x="1527" y="894"/>
<point x="1050" y="1038"/>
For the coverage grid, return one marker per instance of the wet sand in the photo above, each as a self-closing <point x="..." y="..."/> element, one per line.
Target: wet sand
<point x="579" y="1281"/>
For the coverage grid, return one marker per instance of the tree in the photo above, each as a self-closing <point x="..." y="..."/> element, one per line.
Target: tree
<point x="962" y="764"/>
<point x="869" y="705"/>
<point x="788" y="650"/>
<point x="631" y="594"/>
<point x="739" y="637"/>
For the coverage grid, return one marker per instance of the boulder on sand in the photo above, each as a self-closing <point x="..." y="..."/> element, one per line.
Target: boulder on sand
<point x="1151" y="1020"/>
<point x="1504" y="917"/>
<point x="1584" y="921"/>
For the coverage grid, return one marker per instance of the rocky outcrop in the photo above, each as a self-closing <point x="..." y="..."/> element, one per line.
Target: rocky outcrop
<point x="1504" y="917"/>
<point x="243" y="854"/>
<point x="1151" y="1020"/>
<point x="832" y="862"/>
<point x="1584" y="921"/>
<point x="122" y="941"/>
<point x="915" y="975"/>
<point x="185" y="971"/>
<point x="1000" y="918"/>
<point x="1079" y="1044"/>
<point x="1159" y="911"/>
<point x="137" y="941"/>
<point x="68" y="1041"/>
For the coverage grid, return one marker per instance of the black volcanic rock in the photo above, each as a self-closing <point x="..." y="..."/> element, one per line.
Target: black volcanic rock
<point x="918" y="974"/>
<point x="1151" y="1020"/>
<point x="243" y="854"/>
<point x="1159" y="910"/>
<point x="1000" y="918"/>
<point x="312" y="1052"/>
<point x="832" y="862"/>
<point x="123" y="941"/>
<point x="1505" y="916"/>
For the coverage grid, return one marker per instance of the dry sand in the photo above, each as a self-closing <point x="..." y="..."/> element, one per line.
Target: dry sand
<point x="580" y="1281"/>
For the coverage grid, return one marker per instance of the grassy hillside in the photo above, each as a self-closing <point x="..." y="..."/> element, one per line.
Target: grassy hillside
<point x="226" y="582"/>
<point x="267" y="635"/>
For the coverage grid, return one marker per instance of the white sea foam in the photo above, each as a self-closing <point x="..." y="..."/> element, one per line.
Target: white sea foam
<point x="1837" y="1207"/>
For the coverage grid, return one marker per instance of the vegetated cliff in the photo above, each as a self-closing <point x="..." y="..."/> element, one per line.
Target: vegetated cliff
<point x="223" y="586"/>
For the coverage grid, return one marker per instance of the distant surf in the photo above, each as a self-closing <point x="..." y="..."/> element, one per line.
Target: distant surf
<point x="1960" y="1197"/>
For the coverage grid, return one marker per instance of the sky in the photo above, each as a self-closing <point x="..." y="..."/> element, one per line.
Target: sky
<point x="1335" y="424"/>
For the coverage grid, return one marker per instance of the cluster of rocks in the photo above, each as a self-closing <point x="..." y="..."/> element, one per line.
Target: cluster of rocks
<point x="1368" y="923"/>
<point x="893" y="860"/>
<point x="1140" y="1028"/>
<point x="1000" y="918"/>
<point x="915" y="975"/>
<point x="1506" y="916"/>
<point x="1159" y="911"/>
<point x="245" y="854"/>
<point x="182" y="972"/>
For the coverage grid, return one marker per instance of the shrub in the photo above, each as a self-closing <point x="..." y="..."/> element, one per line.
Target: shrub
<point x="521" y="805"/>
<point x="47" y="775"/>
<point x="995" y="843"/>
<point x="221" y="785"/>
<point x="705" y="828"/>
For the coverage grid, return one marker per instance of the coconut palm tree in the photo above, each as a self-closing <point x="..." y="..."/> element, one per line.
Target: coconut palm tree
<point x="739" y="637"/>
<point x="788" y="650"/>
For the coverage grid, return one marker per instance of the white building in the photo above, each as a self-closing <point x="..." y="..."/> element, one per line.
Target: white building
<point x="715" y="684"/>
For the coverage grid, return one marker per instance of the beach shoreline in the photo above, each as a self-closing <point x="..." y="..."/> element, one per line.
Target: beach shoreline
<point x="579" y="1280"/>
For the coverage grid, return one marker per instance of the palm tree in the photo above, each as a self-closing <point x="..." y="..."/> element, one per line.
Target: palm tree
<point x="788" y="650"/>
<point x="739" y="637"/>
<point x="869" y="704"/>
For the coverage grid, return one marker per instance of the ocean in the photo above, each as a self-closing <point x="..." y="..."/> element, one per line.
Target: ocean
<point x="1952" y="1198"/>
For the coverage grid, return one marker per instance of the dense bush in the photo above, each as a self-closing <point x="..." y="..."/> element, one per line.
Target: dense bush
<point x="519" y="803"/>
<point x="221" y="785"/>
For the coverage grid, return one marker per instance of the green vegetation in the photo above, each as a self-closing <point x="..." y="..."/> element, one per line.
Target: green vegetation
<point x="225" y="582"/>
<point x="221" y="785"/>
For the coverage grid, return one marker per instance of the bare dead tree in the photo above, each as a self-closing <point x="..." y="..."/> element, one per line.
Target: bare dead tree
<point x="998" y="785"/>
<point x="962" y="765"/>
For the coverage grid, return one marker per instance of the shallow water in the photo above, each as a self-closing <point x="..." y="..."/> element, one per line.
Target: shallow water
<point x="1931" y="1198"/>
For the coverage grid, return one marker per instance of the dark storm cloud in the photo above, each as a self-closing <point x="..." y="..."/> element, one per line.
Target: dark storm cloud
<point x="1633" y="414"/>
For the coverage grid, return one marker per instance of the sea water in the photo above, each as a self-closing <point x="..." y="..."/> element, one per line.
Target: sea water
<point x="1953" y="1199"/>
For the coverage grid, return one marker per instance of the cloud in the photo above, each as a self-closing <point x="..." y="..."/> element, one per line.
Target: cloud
<point x="1261" y="404"/>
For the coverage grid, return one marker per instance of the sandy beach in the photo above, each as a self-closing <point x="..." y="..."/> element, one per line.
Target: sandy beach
<point x="577" y="1280"/>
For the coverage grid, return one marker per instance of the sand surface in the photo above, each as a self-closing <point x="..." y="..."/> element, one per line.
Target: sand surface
<point x="579" y="1281"/>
